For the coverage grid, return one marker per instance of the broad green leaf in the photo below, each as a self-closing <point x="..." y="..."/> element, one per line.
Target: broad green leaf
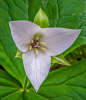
<point x="33" y="96"/>
<point x="11" y="10"/>
<point x="8" y="84"/>
<point x="68" y="83"/>
<point x="72" y="14"/>
<point x="41" y="19"/>
<point x="13" y="96"/>
<point x="5" y="91"/>
<point x="8" y="80"/>
<point x="59" y="60"/>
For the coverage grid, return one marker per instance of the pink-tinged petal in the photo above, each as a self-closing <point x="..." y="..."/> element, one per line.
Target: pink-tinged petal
<point x="22" y="33"/>
<point x="59" y="39"/>
<point x="36" y="67"/>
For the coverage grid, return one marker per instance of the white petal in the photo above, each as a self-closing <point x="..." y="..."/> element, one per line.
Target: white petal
<point x="36" y="67"/>
<point x="22" y="33"/>
<point x="59" y="39"/>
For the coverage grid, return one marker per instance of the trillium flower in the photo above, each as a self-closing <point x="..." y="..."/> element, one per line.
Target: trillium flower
<point x="38" y="45"/>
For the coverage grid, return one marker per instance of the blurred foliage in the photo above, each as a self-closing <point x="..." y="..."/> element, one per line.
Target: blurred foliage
<point x="77" y="54"/>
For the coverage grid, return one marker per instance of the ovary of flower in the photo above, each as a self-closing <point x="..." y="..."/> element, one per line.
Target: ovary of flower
<point x="35" y="44"/>
<point x="38" y="45"/>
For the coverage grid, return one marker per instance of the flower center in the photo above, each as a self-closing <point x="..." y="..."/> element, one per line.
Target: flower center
<point x="35" y="44"/>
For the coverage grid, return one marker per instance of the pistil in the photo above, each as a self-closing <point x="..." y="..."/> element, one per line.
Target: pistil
<point x="35" y="44"/>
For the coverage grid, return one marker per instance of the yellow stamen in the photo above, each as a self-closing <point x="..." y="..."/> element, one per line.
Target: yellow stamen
<point x="43" y="48"/>
<point x="36" y="51"/>
<point x="30" y="47"/>
<point x="42" y="43"/>
<point x="37" y="38"/>
<point x="32" y="41"/>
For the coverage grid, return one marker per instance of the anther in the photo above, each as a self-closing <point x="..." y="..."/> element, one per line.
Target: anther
<point x="36" y="51"/>
<point x="32" y="41"/>
<point x="30" y="47"/>
<point x="42" y="43"/>
<point x="43" y="48"/>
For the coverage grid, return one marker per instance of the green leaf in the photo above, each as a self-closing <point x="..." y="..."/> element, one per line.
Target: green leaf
<point x="41" y="19"/>
<point x="8" y="84"/>
<point x="33" y="96"/>
<point x="72" y="14"/>
<point x="68" y="83"/>
<point x="8" y="80"/>
<point x="59" y="60"/>
<point x="9" y="10"/>
<point x="5" y="91"/>
<point x="13" y="96"/>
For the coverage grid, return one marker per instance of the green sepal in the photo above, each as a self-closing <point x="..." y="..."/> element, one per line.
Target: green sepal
<point x="41" y="19"/>
<point x="18" y="54"/>
<point x="59" y="59"/>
